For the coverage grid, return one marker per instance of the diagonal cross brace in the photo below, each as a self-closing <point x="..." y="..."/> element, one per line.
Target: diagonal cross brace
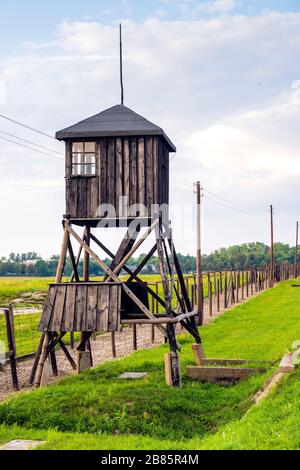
<point x="114" y="277"/>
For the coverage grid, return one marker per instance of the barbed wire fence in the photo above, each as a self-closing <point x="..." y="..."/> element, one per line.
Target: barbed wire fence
<point x="20" y="338"/>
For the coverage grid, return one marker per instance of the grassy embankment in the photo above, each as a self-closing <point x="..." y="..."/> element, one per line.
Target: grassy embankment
<point x="97" y="410"/>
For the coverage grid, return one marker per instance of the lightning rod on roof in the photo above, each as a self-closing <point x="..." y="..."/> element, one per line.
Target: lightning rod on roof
<point x="121" y="66"/>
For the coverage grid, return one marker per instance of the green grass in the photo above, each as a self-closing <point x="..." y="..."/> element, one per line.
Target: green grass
<point x="273" y="424"/>
<point x="97" y="401"/>
<point x="11" y="287"/>
<point x="26" y="333"/>
<point x="97" y="410"/>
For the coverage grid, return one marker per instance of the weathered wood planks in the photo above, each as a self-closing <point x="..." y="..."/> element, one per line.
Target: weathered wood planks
<point x="133" y="167"/>
<point x="82" y="306"/>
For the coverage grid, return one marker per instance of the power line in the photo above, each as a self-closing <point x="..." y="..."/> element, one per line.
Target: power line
<point x="32" y="143"/>
<point x="27" y="127"/>
<point x="180" y="190"/>
<point x="184" y="182"/>
<point x="224" y="205"/>
<point x="31" y="148"/>
<point x="234" y="203"/>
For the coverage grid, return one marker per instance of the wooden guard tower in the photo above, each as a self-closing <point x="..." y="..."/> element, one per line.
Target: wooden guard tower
<point x="117" y="174"/>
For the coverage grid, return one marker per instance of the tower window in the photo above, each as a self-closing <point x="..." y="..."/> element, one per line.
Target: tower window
<point x="83" y="158"/>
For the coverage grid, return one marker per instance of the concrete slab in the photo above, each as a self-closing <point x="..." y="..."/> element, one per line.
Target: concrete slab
<point x="83" y="361"/>
<point x="286" y="364"/>
<point x="21" y="444"/>
<point x="133" y="375"/>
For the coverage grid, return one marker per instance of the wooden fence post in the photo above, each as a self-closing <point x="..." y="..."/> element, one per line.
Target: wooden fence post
<point x="215" y="284"/>
<point x="218" y="295"/>
<point x="243" y="285"/>
<point x="232" y="288"/>
<point x="11" y="347"/>
<point x="72" y="344"/>
<point x="210" y="298"/>
<point x="225" y="290"/>
<point x="153" y="326"/>
<point x="193" y="295"/>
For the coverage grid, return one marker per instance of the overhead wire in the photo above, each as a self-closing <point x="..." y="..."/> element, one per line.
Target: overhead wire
<point x="27" y="127"/>
<point x="32" y="143"/>
<point x="31" y="148"/>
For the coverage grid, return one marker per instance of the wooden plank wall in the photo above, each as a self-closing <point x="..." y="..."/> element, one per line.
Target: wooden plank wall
<point x="82" y="307"/>
<point x="135" y="167"/>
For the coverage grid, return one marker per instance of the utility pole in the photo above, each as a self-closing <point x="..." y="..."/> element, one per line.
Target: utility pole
<point x="296" y="249"/>
<point x="198" y="257"/>
<point x="272" y="249"/>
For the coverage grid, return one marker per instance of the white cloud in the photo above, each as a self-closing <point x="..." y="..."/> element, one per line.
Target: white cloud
<point x="217" y="6"/>
<point x="221" y="88"/>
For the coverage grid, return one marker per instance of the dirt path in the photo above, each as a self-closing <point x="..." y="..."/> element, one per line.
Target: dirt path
<point x="102" y="351"/>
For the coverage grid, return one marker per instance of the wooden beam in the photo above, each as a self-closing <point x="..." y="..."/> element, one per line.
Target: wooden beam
<point x="42" y="359"/>
<point x="125" y="246"/>
<point x="73" y="261"/>
<point x="114" y="277"/>
<point x="172" y="366"/>
<point x="78" y="256"/>
<point x="86" y="256"/>
<point x="141" y="265"/>
<point x="132" y="274"/>
<point x="142" y="321"/>
<point x="135" y="247"/>
<point x="63" y="252"/>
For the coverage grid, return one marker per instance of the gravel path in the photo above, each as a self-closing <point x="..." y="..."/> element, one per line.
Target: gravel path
<point x="101" y="349"/>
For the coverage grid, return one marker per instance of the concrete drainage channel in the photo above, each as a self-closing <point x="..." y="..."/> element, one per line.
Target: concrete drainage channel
<point x="286" y="366"/>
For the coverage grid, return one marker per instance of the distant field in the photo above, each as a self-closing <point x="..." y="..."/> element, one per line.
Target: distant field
<point x="12" y="287"/>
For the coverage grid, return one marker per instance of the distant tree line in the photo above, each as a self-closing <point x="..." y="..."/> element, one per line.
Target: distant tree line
<point x="233" y="257"/>
<point x="247" y="255"/>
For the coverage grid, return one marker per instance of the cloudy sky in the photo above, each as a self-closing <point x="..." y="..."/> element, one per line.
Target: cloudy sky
<point x="221" y="77"/>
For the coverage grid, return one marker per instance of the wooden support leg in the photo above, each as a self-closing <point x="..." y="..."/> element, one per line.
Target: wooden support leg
<point x="86" y="258"/>
<point x="36" y="360"/>
<point x="72" y="345"/>
<point x="113" y="344"/>
<point x="63" y="252"/>
<point x="12" y="349"/>
<point x="134" y="337"/>
<point x="152" y="334"/>
<point x="53" y="362"/>
<point x="67" y="354"/>
<point x="42" y="360"/>
<point x="172" y="369"/>
<point x="192" y="323"/>
<point x="172" y="365"/>
<point x="89" y="348"/>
